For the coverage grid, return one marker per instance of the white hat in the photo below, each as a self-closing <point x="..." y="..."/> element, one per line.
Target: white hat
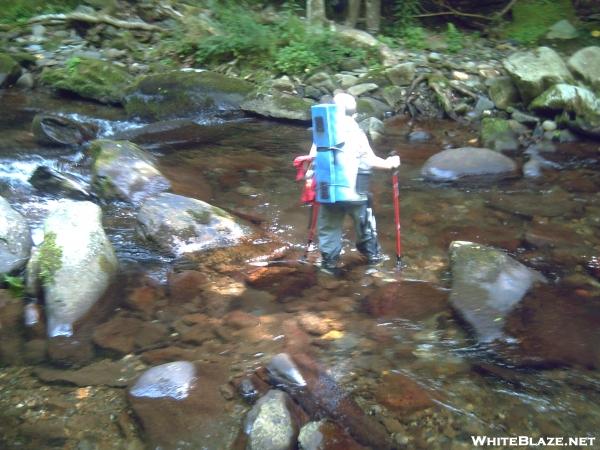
<point x="345" y="101"/>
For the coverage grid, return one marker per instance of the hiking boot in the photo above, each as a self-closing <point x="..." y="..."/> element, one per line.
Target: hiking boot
<point x="330" y="270"/>
<point x="376" y="260"/>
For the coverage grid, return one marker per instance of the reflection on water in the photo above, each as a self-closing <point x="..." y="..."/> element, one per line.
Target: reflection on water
<point x="550" y="224"/>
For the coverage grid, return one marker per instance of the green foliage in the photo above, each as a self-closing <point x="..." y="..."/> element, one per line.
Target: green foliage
<point x="404" y="12"/>
<point x="72" y="63"/>
<point x="15" y="285"/>
<point x="454" y="38"/>
<point x="296" y="58"/>
<point x="414" y="37"/>
<point x="532" y="18"/>
<point x="19" y="11"/>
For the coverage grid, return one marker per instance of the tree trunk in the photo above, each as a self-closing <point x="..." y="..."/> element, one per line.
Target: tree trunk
<point x="373" y="13"/>
<point x="353" y="12"/>
<point x="315" y="11"/>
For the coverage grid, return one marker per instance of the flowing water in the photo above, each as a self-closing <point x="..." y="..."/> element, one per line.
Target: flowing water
<point x="250" y="172"/>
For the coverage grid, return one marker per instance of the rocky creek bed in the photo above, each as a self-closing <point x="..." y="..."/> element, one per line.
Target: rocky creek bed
<point x="395" y="360"/>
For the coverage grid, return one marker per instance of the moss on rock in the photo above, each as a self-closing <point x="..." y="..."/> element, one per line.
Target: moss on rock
<point x="49" y="259"/>
<point x="9" y="70"/>
<point x="89" y="78"/>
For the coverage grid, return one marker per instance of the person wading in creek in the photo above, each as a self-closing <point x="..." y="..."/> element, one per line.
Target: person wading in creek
<point x="342" y="175"/>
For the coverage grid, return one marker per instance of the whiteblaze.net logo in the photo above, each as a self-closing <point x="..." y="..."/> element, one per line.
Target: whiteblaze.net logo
<point x="514" y="441"/>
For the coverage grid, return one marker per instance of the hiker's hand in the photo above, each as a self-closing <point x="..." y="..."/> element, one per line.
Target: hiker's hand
<point x="308" y="174"/>
<point x="393" y="162"/>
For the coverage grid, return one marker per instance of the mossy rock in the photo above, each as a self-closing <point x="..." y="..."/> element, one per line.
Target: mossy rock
<point x="573" y="99"/>
<point x="279" y="106"/>
<point x="89" y="78"/>
<point x="9" y="70"/>
<point x="533" y="18"/>
<point x="498" y="134"/>
<point x="180" y="94"/>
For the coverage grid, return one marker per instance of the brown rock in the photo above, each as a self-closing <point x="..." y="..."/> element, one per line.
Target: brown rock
<point x="170" y="354"/>
<point x="185" y="286"/>
<point x="327" y="435"/>
<point x="282" y="282"/>
<point x="11" y="329"/>
<point x="407" y="299"/>
<point x="143" y="299"/>
<point x="70" y="351"/>
<point x="550" y="235"/>
<point x="197" y="334"/>
<point x="508" y="238"/>
<point x="401" y="394"/>
<point x="239" y="319"/>
<point x="118" y="334"/>
<point x="314" y="324"/>
<point x="102" y="373"/>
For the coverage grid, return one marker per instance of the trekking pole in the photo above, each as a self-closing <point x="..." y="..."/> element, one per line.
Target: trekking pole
<point x="396" y="190"/>
<point x="302" y="164"/>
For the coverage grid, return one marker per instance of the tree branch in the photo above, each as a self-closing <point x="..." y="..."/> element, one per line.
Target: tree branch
<point x="100" y="18"/>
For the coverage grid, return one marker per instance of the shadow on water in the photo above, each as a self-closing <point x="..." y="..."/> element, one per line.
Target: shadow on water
<point x="369" y="331"/>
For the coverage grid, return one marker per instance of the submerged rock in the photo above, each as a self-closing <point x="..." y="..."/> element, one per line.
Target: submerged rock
<point x="123" y="170"/>
<point x="457" y="163"/>
<point x="89" y="78"/>
<point x="179" y="405"/>
<point x="407" y="300"/>
<point x="535" y="71"/>
<point x="270" y="425"/>
<point x="182" y="225"/>
<point x="15" y="239"/>
<point x="499" y="134"/>
<point x="486" y="285"/>
<point x="73" y="266"/>
<point x="326" y="435"/>
<point x="174" y="94"/>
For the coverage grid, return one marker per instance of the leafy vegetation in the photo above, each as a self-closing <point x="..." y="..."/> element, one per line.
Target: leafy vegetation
<point x="532" y="18"/>
<point x="15" y="285"/>
<point x="454" y="38"/>
<point x="19" y="11"/>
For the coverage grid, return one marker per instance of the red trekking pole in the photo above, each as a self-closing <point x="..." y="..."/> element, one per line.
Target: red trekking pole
<point x="396" y="190"/>
<point x="302" y="164"/>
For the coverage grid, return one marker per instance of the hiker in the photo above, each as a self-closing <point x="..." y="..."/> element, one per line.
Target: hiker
<point x="353" y="159"/>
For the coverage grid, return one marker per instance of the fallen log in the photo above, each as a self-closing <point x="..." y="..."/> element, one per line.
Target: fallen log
<point x="97" y="19"/>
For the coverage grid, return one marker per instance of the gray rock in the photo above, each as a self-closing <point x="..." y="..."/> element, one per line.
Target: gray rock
<point x="486" y="285"/>
<point x="419" y="136"/>
<point x="49" y="180"/>
<point x="25" y="81"/>
<point x="182" y="225"/>
<point x="346" y="80"/>
<point x="393" y="95"/>
<point x="483" y="104"/>
<point x="279" y="106"/>
<point x="457" y="163"/>
<point x="532" y="168"/>
<point x="564" y="97"/>
<point x="526" y="119"/>
<point x="402" y="74"/>
<point x="283" y="370"/>
<point x="15" y="239"/>
<point x="269" y="424"/>
<point x="562" y="30"/>
<point x="549" y="125"/>
<point x="283" y="84"/>
<point x="172" y="380"/>
<point x="585" y="63"/>
<point x="52" y="129"/>
<point x="535" y="71"/>
<point x="503" y="92"/>
<point x="322" y="80"/>
<point x="373" y="128"/>
<point x="361" y="89"/>
<point x="371" y="107"/>
<point x="123" y="170"/>
<point x="75" y="252"/>
<point x="500" y="134"/>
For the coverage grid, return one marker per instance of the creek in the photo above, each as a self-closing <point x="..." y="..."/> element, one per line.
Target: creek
<point x="250" y="172"/>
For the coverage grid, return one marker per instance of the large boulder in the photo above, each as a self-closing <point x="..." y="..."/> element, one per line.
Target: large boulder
<point x="535" y="71"/>
<point x="15" y="239"/>
<point x="9" y="70"/>
<point x="486" y="285"/>
<point x="179" y="405"/>
<point x="278" y="105"/>
<point x="52" y="129"/>
<point x="182" y="225"/>
<point x="456" y="163"/>
<point x="503" y="92"/>
<point x="123" y="170"/>
<point x="585" y="63"/>
<point x="565" y="97"/>
<point x="74" y="265"/>
<point x="89" y="78"/>
<point x="183" y="94"/>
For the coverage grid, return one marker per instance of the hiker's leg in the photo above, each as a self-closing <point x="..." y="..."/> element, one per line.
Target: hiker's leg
<point x="366" y="232"/>
<point x="331" y="219"/>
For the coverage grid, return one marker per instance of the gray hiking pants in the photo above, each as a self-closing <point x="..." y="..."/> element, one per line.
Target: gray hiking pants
<point x="330" y="226"/>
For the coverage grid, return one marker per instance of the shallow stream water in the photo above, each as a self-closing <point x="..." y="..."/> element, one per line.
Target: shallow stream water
<point x="251" y="172"/>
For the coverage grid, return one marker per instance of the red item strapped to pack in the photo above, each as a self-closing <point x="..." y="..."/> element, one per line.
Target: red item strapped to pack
<point x="302" y="164"/>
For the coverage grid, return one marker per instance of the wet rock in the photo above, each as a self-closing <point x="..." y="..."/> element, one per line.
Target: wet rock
<point x="70" y="352"/>
<point x="371" y="107"/>
<point x="185" y="286"/>
<point x="407" y="300"/>
<point x="532" y="168"/>
<point x="326" y="435"/>
<point x="402" y="395"/>
<point x="322" y="81"/>
<point x="557" y="203"/>
<point x="535" y="71"/>
<point x="123" y="170"/>
<point x="179" y="405"/>
<point x="270" y="425"/>
<point x="239" y="320"/>
<point x="25" y="81"/>
<point x="320" y="396"/>
<point x="52" y="129"/>
<point x="282" y="281"/>
<point x="89" y="78"/>
<point x="15" y="239"/>
<point x="182" y="225"/>
<point x="11" y="329"/>
<point x="49" y="180"/>
<point x="75" y="252"/>
<point x="503" y="92"/>
<point x="508" y="238"/>
<point x="313" y="324"/>
<point x="102" y="373"/>
<point x="499" y="134"/>
<point x="9" y="70"/>
<point x="457" y="163"/>
<point x="525" y="119"/>
<point x="171" y="354"/>
<point x="564" y="97"/>
<point x="555" y="325"/>
<point x="418" y="136"/>
<point x="144" y="300"/>
<point x="279" y="106"/>
<point x="550" y="235"/>
<point x="585" y="63"/>
<point x="174" y="94"/>
<point x="486" y="285"/>
<point x="123" y="335"/>
<point x="373" y="128"/>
